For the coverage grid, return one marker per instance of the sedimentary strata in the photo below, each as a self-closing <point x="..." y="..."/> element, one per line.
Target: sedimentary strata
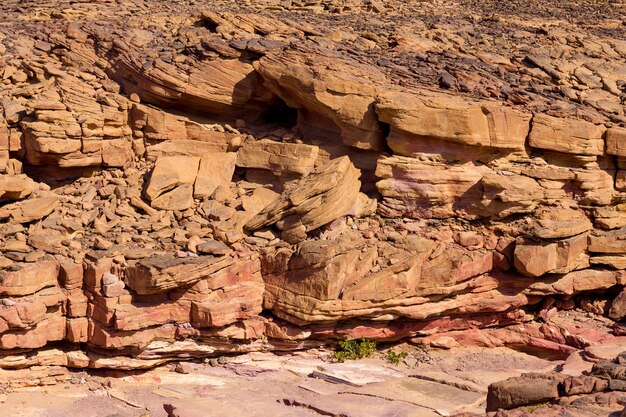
<point x="183" y="179"/>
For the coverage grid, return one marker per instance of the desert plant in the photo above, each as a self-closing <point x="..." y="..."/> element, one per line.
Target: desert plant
<point x="534" y="407"/>
<point x="395" y="357"/>
<point x="354" y="349"/>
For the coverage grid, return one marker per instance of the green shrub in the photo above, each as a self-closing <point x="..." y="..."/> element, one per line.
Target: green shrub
<point x="534" y="407"/>
<point x="395" y="357"/>
<point x="354" y="349"/>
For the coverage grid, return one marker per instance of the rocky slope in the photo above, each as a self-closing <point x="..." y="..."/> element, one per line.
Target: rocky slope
<point x="186" y="179"/>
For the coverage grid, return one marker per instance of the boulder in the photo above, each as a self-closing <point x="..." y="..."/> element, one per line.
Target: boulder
<point x="169" y="173"/>
<point x="213" y="247"/>
<point x="534" y="259"/>
<point x="575" y="282"/>
<point x="159" y="274"/>
<point x="180" y="198"/>
<point x="320" y="269"/>
<point x="326" y="194"/>
<point x="279" y="158"/>
<point x="215" y="169"/>
<point x="171" y="183"/>
<point x="16" y="187"/>
<point x="520" y="391"/>
<point x="30" y="210"/>
<point x="584" y="385"/>
<point x="505" y="195"/>
<point x="618" y="307"/>
<point x="173" y="134"/>
<point x="609" y="218"/>
<point x="557" y="223"/>
<point x="616" y="141"/>
<point x="26" y="279"/>
<point x="612" y="242"/>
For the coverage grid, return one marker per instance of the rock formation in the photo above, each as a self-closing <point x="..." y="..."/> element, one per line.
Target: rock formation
<point x="556" y="393"/>
<point x="181" y="179"/>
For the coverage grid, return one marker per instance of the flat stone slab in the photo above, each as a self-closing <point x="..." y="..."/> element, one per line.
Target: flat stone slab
<point x="319" y="386"/>
<point x="351" y="405"/>
<point x="442" y="398"/>
<point x="576" y="364"/>
<point x="355" y="374"/>
<point x="486" y="378"/>
<point x="451" y="380"/>
<point x="224" y="408"/>
<point x="606" y="351"/>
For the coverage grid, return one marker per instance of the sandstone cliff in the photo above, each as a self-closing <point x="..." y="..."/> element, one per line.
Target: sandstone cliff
<point x="184" y="180"/>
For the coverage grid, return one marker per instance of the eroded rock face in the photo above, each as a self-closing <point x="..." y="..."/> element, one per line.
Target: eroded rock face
<point x="333" y="95"/>
<point x="177" y="182"/>
<point x="323" y="196"/>
<point x="428" y="116"/>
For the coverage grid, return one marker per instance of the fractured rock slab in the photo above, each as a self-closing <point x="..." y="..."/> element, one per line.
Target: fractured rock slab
<point x="326" y="194"/>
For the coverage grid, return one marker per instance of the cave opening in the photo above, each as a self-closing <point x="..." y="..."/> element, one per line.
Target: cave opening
<point x="386" y="130"/>
<point x="279" y="113"/>
<point x="207" y="23"/>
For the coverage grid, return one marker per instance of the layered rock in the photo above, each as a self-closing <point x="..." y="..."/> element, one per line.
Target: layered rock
<point x="335" y="99"/>
<point x="167" y="294"/>
<point x="567" y="135"/>
<point x="427" y="189"/>
<point x="177" y="182"/>
<point x="412" y="280"/>
<point x="282" y="159"/>
<point x="76" y="126"/>
<point x="159" y="133"/>
<point x="417" y="117"/>
<point x="221" y="87"/>
<point x="323" y="196"/>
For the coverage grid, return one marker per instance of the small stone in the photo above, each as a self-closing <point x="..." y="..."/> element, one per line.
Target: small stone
<point x="7" y="302"/>
<point x="265" y="234"/>
<point x="102" y="244"/>
<point x="109" y="278"/>
<point x="114" y="290"/>
<point x="183" y="368"/>
<point x="213" y="247"/>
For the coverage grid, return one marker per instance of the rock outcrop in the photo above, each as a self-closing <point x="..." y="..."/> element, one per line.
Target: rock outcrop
<point x="559" y="393"/>
<point x="325" y="195"/>
<point x="179" y="181"/>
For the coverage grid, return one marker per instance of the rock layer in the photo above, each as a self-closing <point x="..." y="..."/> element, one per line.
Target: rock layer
<point x="178" y="181"/>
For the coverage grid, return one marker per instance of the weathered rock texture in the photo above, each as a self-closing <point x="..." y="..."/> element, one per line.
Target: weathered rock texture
<point x="181" y="179"/>
<point x="561" y="394"/>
